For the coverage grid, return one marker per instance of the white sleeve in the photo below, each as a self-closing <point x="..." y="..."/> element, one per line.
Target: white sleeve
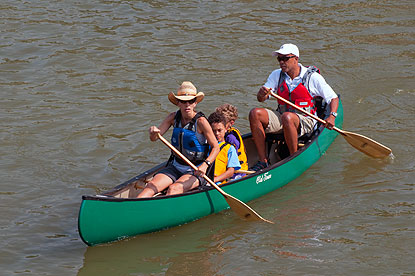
<point x="273" y="79"/>
<point x="319" y="87"/>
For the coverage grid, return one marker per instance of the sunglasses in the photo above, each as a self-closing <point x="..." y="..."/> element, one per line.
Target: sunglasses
<point x="284" y="58"/>
<point x="192" y="101"/>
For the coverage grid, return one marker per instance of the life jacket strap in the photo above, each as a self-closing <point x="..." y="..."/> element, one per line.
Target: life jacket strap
<point x="190" y="125"/>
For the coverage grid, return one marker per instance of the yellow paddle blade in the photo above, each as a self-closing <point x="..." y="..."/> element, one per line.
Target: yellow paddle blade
<point x="366" y="145"/>
<point x="243" y="210"/>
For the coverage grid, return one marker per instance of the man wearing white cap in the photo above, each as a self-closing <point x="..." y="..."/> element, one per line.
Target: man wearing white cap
<point x="298" y="84"/>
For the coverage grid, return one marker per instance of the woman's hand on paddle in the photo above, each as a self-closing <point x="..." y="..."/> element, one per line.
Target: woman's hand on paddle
<point x="201" y="170"/>
<point x="162" y="128"/>
<point x="153" y="130"/>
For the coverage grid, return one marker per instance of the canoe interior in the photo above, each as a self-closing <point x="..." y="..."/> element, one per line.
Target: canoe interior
<point x="276" y="149"/>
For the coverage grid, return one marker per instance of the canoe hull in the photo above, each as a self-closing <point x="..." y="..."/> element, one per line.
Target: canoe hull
<point x="105" y="219"/>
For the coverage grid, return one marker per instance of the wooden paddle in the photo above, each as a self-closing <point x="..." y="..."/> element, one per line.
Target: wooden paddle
<point x="359" y="142"/>
<point x="240" y="208"/>
<point x="245" y="171"/>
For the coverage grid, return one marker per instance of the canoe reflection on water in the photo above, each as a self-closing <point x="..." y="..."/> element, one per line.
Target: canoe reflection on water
<point x="159" y="252"/>
<point x="117" y="214"/>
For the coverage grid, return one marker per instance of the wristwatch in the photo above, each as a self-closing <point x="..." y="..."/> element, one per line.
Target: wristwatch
<point x="207" y="162"/>
<point x="334" y="114"/>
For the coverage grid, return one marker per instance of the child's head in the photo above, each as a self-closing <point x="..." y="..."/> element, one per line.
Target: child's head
<point x="218" y="123"/>
<point x="230" y="112"/>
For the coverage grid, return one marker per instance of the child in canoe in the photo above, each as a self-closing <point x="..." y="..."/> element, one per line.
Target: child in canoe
<point x="192" y="136"/>
<point x="233" y="136"/>
<point x="226" y="162"/>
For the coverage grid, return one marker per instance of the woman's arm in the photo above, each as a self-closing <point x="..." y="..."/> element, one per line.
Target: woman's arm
<point x="163" y="127"/>
<point x="203" y="127"/>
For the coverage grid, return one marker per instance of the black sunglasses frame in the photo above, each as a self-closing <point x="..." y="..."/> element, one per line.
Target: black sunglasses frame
<point x="285" y="58"/>
<point x="192" y="101"/>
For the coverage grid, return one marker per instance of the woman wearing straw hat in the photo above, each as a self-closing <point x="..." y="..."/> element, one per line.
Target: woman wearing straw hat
<point x="192" y="136"/>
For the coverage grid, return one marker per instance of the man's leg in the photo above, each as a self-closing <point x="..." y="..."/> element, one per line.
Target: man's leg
<point x="291" y="125"/>
<point x="258" y="121"/>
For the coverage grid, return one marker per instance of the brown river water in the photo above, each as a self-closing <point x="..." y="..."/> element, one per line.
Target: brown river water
<point x="82" y="81"/>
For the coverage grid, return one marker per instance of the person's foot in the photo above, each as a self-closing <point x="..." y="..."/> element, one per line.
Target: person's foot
<point x="259" y="166"/>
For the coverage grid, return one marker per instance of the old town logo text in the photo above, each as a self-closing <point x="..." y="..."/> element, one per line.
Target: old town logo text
<point x="263" y="178"/>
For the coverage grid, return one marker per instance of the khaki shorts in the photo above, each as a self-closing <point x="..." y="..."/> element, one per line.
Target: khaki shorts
<point x="275" y="125"/>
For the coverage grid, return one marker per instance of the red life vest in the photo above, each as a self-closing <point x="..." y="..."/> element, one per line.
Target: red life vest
<point x="300" y="96"/>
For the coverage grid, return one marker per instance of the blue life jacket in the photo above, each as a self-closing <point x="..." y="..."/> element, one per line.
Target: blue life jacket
<point x="191" y="144"/>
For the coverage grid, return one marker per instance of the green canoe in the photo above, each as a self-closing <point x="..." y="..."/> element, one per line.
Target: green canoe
<point x="117" y="214"/>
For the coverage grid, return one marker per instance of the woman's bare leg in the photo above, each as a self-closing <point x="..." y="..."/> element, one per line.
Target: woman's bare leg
<point x="157" y="184"/>
<point x="185" y="183"/>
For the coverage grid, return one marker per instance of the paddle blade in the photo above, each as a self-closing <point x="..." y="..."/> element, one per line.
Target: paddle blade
<point x="366" y="145"/>
<point x="243" y="210"/>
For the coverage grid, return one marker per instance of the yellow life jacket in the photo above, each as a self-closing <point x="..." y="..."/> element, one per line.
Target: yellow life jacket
<point x="243" y="159"/>
<point x="221" y="160"/>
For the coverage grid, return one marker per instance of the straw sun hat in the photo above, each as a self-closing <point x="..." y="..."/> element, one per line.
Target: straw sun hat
<point x="186" y="92"/>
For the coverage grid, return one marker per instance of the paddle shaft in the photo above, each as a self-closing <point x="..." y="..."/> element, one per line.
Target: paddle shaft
<point x="359" y="142"/>
<point x="245" y="171"/>
<point x="302" y="110"/>
<point x="240" y="208"/>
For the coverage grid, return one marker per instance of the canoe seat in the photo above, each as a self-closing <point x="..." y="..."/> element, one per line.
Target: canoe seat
<point x="275" y="142"/>
<point x="276" y="147"/>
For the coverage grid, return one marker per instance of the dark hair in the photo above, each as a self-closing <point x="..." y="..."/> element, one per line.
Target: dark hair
<point x="217" y="117"/>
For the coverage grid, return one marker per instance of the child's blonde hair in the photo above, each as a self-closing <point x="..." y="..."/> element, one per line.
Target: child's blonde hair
<point x="229" y="111"/>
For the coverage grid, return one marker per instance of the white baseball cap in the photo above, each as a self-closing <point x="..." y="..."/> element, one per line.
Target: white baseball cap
<point x="287" y="49"/>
